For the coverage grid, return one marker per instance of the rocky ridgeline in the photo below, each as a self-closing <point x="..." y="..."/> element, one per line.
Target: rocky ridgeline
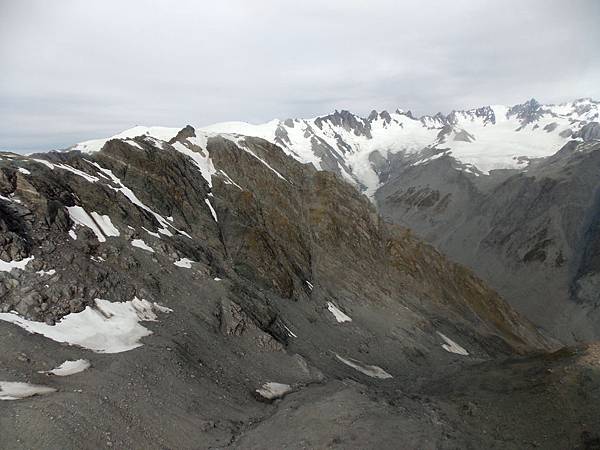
<point x="256" y="277"/>
<point x="260" y="218"/>
<point x="510" y="192"/>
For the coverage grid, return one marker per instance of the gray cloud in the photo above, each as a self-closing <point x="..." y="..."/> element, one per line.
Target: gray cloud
<point x="74" y="70"/>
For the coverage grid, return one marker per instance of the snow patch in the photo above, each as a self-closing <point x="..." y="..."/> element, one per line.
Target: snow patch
<point x="212" y="210"/>
<point x="337" y="313"/>
<point x="272" y="390"/>
<point x="69" y="368"/>
<point x="82" y="174"/>
<point x="151" y="233"/>
<point x="184" y="262"/>
<point x="290" y="332"/>
<point x="81" y="217"/>
<point x="48" y="164"/>
<point x="10" y="199"/>
<point x="12" y="390"/>
<point x="130" y="195"/>
<point x="139" y="243"/>
<point x="24" y="171"/>
<point x="105" y="224"/>
<point x="451" y="346"/>
<point x="160" y="133"/>
<point x="372" y="371"/>
<point x="49" y="272"/>
<point x="107" y="328"/>
<point x="10" y="265"/>
<point x="203" y="162"/>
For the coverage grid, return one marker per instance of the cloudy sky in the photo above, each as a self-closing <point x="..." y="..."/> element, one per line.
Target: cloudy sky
<point x="73" y="70"/>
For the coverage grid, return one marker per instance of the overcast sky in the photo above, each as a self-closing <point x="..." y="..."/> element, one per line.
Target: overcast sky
<point x="73" y="70"/>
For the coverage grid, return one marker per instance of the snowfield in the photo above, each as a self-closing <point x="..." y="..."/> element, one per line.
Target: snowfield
<point x="484" y="139"/>
<point x="107" y="328"/>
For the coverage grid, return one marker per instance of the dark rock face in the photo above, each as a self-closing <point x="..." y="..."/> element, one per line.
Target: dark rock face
<point x="348" y="122"/>
<point x="589" y="131"/>
<point x="527" y="112"/>
<point x="532" y="235"/>
<point x="287" y="250"/>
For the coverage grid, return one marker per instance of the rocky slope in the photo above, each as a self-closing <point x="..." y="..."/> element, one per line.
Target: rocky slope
<point x="511" y="192"/>
<point x="193" y="279"/>
<point x="532" y="235"/>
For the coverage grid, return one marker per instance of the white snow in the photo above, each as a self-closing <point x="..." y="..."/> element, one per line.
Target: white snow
<point x="451" y="346"/>
<point x="10" y="265"/>
<point x="217" y="279"/>
<point x="81" y="173"/>
<point x="161" y="308"/>
<point x="265" y="130"/>
<point x="203" y="162"/>
<point x="12" y="198"/>
<point x="272" y="390"/>
<point x="130" y="195"/>
<point x="139" y="243"/>
<point x="290" y="332"/>
<point x="48" y="164"/>
<point x="70" y="368"/>
<point x="73" y="234"/>
<point x="160" y="133"/>
<point x="43" y="272"/>
<point x="337" y="313"/>
<point x="107" y="328"/>
<point x="242" y="144"/>
<point x="135" y="144"/>
<point x="151" y="233"/>
<point x="24" y="171"/>
<point x="13" y="390"/>
<point x="184" y="262"/>
<point x="212" y="210"/>
<point x="105" y="224"/>
<point x="81" y="217"/>
<point x="372" y="371"/>
<point x="309" y="284"/>
<point x="495" y="146"/>
<point x="499" y="146"/>
<point x="228" y="180"/>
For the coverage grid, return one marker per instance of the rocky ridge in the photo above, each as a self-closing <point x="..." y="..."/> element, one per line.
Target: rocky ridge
<point x="511" y="192"/>
<point x="252" y="272"/>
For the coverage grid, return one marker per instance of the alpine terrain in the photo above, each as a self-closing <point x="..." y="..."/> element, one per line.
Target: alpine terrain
<point x="510" y="192"/>
<point x="232" y="287"/>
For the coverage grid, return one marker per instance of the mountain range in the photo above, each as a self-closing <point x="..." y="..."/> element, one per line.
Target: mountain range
<point x="511" y="192"/>
<point x="231" y="286"/>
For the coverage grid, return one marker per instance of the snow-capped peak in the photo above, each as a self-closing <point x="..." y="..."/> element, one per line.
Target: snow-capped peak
<point x="481" y="139"/>
<point x="161" y="133"/>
